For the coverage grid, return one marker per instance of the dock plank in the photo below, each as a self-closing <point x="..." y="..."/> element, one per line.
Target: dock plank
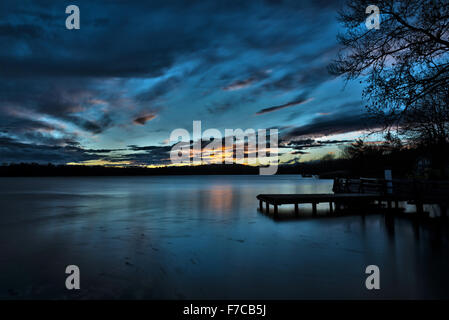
<point x="317" y="198"/>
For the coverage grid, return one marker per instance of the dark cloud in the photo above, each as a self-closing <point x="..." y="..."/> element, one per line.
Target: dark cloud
<point x="12" y="151"/>
<point x="102" y="151"/>
<point x="239" y="84"/>
<point x="299" y="152"/>
<point x="342" y="123"/>
<point x="24" y="31"/>
<point x="301" y="144"/>
<point x="144" y="155"/>
<point x="94" y="127"/>
<point x="141" y="46"/>
<point x="297" y="101"/>
<point x="145" y="118"/>
<point x="40" y="138"/>
<point x="24" y="125"/>
<point x="144" y="39"/>
<point x="147" y="148"/>
<point x="32" y="131"/>
<point x="255" y="76"/>
<point x="304" y="78"/>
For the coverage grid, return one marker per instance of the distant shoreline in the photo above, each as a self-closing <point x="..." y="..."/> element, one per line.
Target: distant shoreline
<point x="38" y="170"/>
<point x="325" y="169"/>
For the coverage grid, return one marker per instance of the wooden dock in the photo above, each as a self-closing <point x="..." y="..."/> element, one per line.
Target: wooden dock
<point x="338" y="199"/>
<point x="365" y="192"/>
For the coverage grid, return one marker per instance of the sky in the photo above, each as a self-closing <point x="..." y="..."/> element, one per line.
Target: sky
<point x="112" y="92"/>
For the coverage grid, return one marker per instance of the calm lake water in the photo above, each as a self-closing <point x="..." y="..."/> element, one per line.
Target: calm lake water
<point x="202" y="237"/>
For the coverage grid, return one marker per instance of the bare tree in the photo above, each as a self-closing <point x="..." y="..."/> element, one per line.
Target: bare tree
<point x="405" y="63"/>
<point x="427" y="121"/>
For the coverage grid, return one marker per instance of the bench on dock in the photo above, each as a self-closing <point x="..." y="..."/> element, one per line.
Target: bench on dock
<point x="361" y="185"/>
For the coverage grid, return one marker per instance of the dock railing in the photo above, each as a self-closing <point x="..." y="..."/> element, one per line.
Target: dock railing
<point x="425" y="191"/>
<point x="361" y="185"/>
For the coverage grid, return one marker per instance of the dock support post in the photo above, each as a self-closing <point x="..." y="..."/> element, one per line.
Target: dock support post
<point x="331" y="209"/>
<point x="419" y="208"/>
<point x="275" y="210"/>
<point x="443" y="210"/>
<point x="267" y="205"/>
<point x="314" y="208"/>
<point x="396" y="204"/>
<point x="296" y="209"/>
<point x="261" y="205"/>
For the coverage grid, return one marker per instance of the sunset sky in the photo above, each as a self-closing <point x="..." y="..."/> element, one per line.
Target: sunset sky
<point x="112" y="92"/>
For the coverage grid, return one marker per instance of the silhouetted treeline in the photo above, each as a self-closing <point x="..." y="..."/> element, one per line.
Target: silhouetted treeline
<point x="37" y="170"/>
<point x="370" y="160"/>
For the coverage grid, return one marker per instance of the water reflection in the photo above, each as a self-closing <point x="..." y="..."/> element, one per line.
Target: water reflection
<point x="202" y="237"/>
<point x="220" y="198"/>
